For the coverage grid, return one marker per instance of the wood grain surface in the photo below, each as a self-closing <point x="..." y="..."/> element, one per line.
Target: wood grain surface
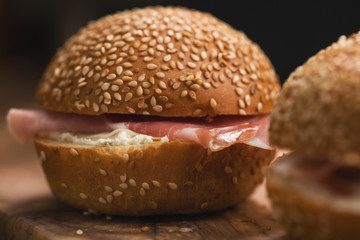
<point x="29" y="211"/>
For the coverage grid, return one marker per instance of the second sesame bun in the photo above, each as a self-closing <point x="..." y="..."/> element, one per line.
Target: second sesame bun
<point x="158" y="178"/>
<point x="165" y="61"/>
<point x="305" y="206"/>
<point x="318" y="109"/>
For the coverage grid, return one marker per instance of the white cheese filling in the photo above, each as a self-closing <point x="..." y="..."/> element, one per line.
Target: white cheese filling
<point x="119" y="137"/>
<point x="124" y="137"/>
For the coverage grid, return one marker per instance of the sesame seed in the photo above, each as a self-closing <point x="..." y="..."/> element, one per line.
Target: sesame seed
<point x="132" y="84"/>
<point x="151" y="66"/>
<point x="126" y="78"/>
<point x="117" y="96"/>
<point x="176" y="85"/>
<point x="119" y="70"/>
<point x="188" y="184"/>
<point x="142" y="192"/>
<point x="148" y="59"/>
<point x="167" y="58"/>
<point x="206" y="85"/>
<point x="73" y="152"/>
<point x="132" y="182"/>
<point x="228" y="169"/>
<point x="195" y="57"/>
<point x="158" y="91"/>
<point x="95" y="107"/>
<point x="156" y="183"/>
<point x="127" y="65"/>
<point x="123" y="185"/>
<point x="213" y="103"/>
<point x="102" y="172"/>
<point x="128" y="96"/>
<point x="204" y="205"/>
<point x="123" y="178"/>
<point x="153" y="101"/>
<point x="179" y="65"/>
<point x="242" y="112"/>
<point x="173" y="186"/>
<point x="139" y="91"/>
<point x="259" y="106"/>
<point x="107" y="96"/>
<point x="145" y="185"/>
<point x="85" y="70"/>
<point x="108" y="189"/>
<point x="141" y="77"/>
<point x="42" y="156"/>
<point x="203" y="55"/>
<point x="247" y="100"/>
<point x="192" y="95"/>
<point x="79" y="232"/>
<point x="169" y="105"/>
<point x="128" y="73"/>
<point x="184" y="93"/>
<point x="239" y="91"/>
<point x="195" y="87"/>
<point x="152" y="80"/>
<point x="102" y="200"/>
<point x="125" y="157"/>
<point x="235" y="180"/>
<point x="83" y="196"/>
<point x="109" y="198"/>
<point x="197" y="112"/>
<point x="160" y="75"/>
<point x="228" y="73"/>
<point x="191" y="65"/>
<point x="162" y="84"/>
<point x="157" y="108"/>
<point x="117" y="193"/>
<point x="105" y="86"/>
<point x="114" y="88"/>
<point x="64" y="185"/>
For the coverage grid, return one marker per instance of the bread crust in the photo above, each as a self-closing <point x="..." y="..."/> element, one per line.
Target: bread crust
<point x="318" y="109"/>
<point x="307" y="213"/>
<point x="159" y="178"/>
<point x="166" y="61"/>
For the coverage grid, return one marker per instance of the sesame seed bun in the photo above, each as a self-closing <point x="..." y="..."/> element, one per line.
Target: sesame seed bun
<point x="165" y="61"/>
<point x="306" y="210"/>
<point x="143" y="180"/>
<point x="318" y="109"/>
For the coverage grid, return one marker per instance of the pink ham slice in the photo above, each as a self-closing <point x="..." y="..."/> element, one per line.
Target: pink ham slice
<point x="222" y="132"/>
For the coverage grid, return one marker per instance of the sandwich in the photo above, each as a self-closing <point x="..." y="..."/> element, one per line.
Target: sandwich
<point x="161" y="110"/>
<point x="315" y="190"/>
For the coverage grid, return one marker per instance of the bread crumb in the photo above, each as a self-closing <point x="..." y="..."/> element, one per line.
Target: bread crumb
<point x="79" y="232"/>
<point x="145" y="228"/>
<point x="185" y="230"/>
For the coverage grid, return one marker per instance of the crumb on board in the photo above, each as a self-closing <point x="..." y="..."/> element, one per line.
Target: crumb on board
<point x="79" y="232"/>
<point x="186" y="230"/>
<point x="145" y="228"/>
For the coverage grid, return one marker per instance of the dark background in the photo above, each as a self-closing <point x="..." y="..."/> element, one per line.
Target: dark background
<point x="288" y="31"/>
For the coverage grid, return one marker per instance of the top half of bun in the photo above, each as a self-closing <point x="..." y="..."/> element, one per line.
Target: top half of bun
<point x="318" y="109"/>
<point x="165" y="61"/>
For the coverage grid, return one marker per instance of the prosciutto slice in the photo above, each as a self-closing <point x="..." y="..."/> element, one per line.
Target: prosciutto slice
<point x="216" y="134"/>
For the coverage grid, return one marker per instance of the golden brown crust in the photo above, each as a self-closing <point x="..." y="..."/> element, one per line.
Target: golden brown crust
<point x="307" y="213"/>
<point x="161" y="178"/>
<point x="159" y="61"/>
<point x="318" y="109"/>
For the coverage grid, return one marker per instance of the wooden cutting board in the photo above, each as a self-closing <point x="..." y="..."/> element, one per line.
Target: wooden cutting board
<point x="29" y="211"/>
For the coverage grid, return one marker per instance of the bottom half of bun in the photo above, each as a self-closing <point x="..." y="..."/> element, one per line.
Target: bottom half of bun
<point x="308" y="210"/>
<point x="146" y="179"/>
